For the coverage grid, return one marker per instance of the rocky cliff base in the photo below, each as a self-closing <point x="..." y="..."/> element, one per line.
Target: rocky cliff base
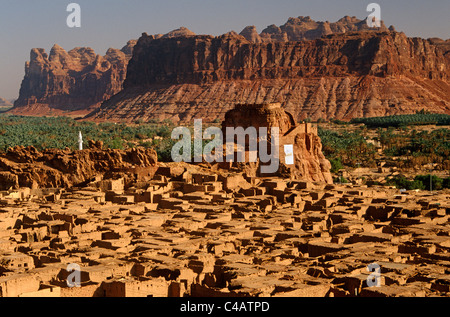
<point x="27" y="167"/>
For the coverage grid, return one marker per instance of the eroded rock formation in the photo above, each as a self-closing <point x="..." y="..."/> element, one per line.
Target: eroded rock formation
<point x="78" y="80"/>
<point x="75" y="82"/>
<point x="27" y="167"/>
<point x="338" y="76"/>
<point x="315" y="69"/>
<point x="304" y="28"/>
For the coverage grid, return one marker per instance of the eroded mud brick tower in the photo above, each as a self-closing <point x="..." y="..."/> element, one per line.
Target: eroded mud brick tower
<point x="308" y="162"/>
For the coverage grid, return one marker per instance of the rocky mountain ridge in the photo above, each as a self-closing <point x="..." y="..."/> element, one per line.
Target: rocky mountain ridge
<point x="314" y="69"/>
<point x="342" y="76"/>
<point x="304" y="28"/>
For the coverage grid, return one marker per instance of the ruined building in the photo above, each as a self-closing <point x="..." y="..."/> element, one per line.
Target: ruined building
<point x="299" y="140"/>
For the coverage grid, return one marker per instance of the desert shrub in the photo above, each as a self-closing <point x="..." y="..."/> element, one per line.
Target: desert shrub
<point x="436" y="182"/>
<point x="164" y="150"/>
<point x="401" y="182"/>
<point x="446" y="183"/>
<point x="340" y="179"/>
<point x="336" y="165"/>
<point x="420" y="182"/>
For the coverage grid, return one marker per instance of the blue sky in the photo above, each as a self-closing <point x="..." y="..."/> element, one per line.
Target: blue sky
<point x="26" y="24"/>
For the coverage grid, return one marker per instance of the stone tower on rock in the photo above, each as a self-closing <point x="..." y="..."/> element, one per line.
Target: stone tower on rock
<point x="306" y="161"/>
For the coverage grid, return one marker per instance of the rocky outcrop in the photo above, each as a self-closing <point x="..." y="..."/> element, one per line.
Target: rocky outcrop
<point x="308" y="162"/>
<point x="78" y="80"/>
<point x="75" y="82"/>
<point x="441" y="44"/>
<point x="250" y="34"/>
<point x="27" y="167"/>
<point x="342" y="76"/>
<point x="304" y="28"/>
<point x="180" y="32"/>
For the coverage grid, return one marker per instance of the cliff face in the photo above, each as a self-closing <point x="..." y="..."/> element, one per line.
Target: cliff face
<point x="304" y="28"/>
<point x="340" y="75"/>
<point x="314" y="69"/>
<point x="207" y="59"/>
<point x="74" y="80"/>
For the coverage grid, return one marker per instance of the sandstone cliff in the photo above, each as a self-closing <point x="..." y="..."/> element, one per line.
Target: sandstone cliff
<point x="75" y="82"/>
<point x="315" y="69"/>
<point x="340" y="75"/>
<point x="304" y="28"/>
<point x="71" y="81"/>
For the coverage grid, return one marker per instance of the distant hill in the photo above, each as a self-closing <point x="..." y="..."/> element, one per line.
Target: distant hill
<point x="4" y="103"/>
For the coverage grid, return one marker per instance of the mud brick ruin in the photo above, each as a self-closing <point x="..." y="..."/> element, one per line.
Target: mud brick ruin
<point x="309" y="161"/>
<point x="194" y="230"/>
